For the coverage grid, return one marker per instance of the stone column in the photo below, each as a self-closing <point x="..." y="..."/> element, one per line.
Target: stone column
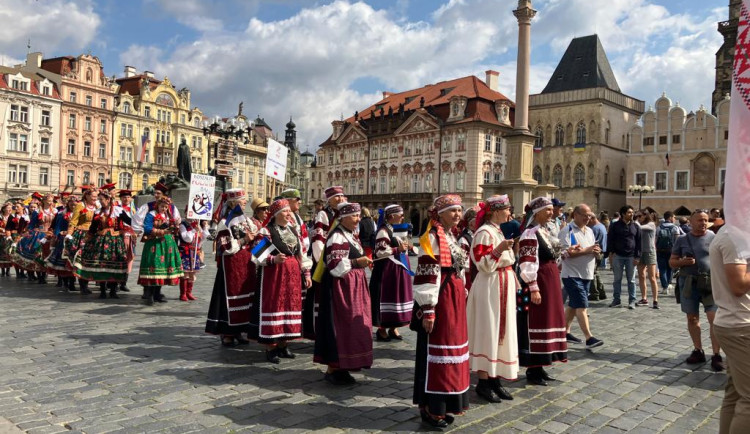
<point x="524" y="14"/>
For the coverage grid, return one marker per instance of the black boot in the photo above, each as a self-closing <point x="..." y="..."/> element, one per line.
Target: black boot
<point x="148" y="294"/>
<point x="123" y="287"/>
<point x="31" y="275"/>
<point x="545" y="375"/>
<point x="484" y="389"/>
<point x="42" y="277"/>
<point x="112" y="290"/>
<point x="534" y="376"/>
<point x="70" y="284"/>
<point x="84" y="287"/>
<point x="158" y="296"/>
<point x="102" y="290"/>
<point x="500" y="390"/>
<point x="59" y="283"/>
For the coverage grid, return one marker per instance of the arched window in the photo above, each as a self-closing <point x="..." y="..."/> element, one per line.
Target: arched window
<point x="126" y="107"/>
<point x="559" y="135"/>
<point x="579" y="176"/>
<point x="581" y="133"/>
<point x="538" y="174"/>
<point x="539" y="141"/>
<point x="557" y="174"/>
<point x="126" y="180"/>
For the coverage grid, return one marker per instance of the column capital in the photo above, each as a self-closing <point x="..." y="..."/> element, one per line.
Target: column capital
<point x="524" y="14"/>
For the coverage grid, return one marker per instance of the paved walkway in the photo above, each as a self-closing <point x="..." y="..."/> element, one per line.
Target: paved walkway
<point x="78" y="364"/>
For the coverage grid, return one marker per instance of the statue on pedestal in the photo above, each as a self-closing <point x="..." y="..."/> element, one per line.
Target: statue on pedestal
<point x="184" y="171"/>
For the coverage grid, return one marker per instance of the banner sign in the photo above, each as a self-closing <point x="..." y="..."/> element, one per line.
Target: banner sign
<point x="201" y="199"/>
<point x="276" y="160"/>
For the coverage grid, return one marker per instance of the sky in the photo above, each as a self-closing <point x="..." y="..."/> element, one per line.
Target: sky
<point x="317" y="60"/>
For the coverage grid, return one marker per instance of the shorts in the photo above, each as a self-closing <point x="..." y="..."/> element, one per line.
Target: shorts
<point x="578" y="292"/>
<point x="648" y="258"/>
<point x="690" y="305"/>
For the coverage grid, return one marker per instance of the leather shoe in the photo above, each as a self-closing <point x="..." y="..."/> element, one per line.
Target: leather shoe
<point x="285" y="352"/>
<point x="345" y="377"/>
<point x="500" y="390"/>
<point x="484" y="389"/>
<point x="431" y="421"/>
<point x="546" y="376"/>
<point x="272" y="356"/>
<point x="241" y="340"/>
<point x="392" y="334"/>
<point x="535" y="378"/>
<point x="381" y="338"/>
<point x="333" y="379"/>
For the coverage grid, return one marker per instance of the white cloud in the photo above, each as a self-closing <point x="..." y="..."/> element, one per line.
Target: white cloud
<point x="50" y="25"/>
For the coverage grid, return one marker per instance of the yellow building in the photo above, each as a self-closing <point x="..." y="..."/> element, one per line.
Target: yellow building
<point x="152" y="118"/>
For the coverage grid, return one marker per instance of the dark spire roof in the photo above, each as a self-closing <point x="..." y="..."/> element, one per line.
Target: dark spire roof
<point x="290" y="125"/>
<point x="584" y="65"/>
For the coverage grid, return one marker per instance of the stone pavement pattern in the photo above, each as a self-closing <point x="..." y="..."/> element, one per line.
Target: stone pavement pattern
<point x="72" y="363"/>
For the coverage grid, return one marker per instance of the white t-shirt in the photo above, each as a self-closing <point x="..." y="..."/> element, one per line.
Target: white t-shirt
<point x="733" y="311"/>
<point x="582" y="266"/>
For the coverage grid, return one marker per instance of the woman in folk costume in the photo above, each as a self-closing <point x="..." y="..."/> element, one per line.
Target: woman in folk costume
<point x="131" y="238"/>
<point x="540" y="318"/>
<point x="160" y="260"/>
<point x="104" y="257"/>
<point x="80" y="221"/>
<point x="5" y="239"/>
<point x="55" y="263"/>
<point x="441" y="379"/>
<point x="284" y="269"/>
<point x="491" y="306"/>
<point x="14" y="228"/>
<point x="234" y="286"/>
<point x="468" y="226"/>
<point x="190" y="242"/>
<point x="29" y="247"/>
<point x="343" y="333"/>
<point x="391" y="293"/>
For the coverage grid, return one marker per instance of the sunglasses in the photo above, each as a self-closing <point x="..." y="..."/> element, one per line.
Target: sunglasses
<point x="700" y="211"/>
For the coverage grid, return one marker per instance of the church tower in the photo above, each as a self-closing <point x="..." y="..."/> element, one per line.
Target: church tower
<point x="290" y="136"/>
<point x="725" y="55"/>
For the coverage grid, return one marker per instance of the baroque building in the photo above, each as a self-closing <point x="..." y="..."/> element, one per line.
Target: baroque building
<point x="29" y="133"/>
<point x="250" y="162"/>
<point x="582" y="122"/>
<point x="152" y="118"/>
<point x="411" y="146"/>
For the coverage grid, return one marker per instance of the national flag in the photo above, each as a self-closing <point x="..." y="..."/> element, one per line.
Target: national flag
<point x="579" y="147"/>
<point x="737" y="186"/>
<point x="537" y="149"/>
<point x="403" y="232"/>
<point x="144" y="147"/>
<point x="262" y="250"/>
<point x="573" y="240"/>
<point x="667" y="158"/>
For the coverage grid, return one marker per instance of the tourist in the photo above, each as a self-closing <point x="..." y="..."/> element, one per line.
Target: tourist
<point x="161" y="264"/>
<point x="596" y="291"/>
<point x="666" y="236"/>
<point x="624" y="251"/>
<point x="647" y="263"/>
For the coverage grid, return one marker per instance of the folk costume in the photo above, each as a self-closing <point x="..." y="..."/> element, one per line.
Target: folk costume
<point x="465" y="241"/>
<point x="276" y="313"/>
<point x="190" y="243"/>
<point x="5" y="244"/>
<point x="491" y="306"/>
<point x="441" y="379"/>
<point x="55" y="263"/>
<point x="130" y="237"/>
<point x="343" y="333"/>
<point x="322" y="224"/>
<point x="234" y="286"/>
<point x="160" y="261"/>
<point x="80" y="222"/>
<point x="29" y="247"/>
<point x="140" y="216"/>
<point x="541" y="327"/>
<point x="391" y="293"/>
<point x="14" y="228"/>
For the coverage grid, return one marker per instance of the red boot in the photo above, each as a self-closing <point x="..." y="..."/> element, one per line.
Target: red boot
<point x="189" y="291"/>
<point x="183" y="289"/>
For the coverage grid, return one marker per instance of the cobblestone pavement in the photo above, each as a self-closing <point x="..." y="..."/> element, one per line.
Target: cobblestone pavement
<point x="73" y="363"/>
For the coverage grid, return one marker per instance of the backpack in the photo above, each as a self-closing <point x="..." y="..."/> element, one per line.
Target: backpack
<point x="665" y="239"/>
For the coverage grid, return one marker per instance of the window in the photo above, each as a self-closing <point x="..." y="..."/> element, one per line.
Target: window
<point x="581" y="133"/>
<point x="415" y="184"/>
<point x="86" y="149"/>
<point x="100" y="179"/>
<point x="13" y="142"/>
<point x="498" y="144"/>
<point x="45" y="118"/>
<point x="488" y="142"/>
<point x="103" y="150"/>
<point x="159" y="158"/>
<point x="382" y="185"/>
<point x="130" y="131"/>
<point x="428" y="182"/>
<point x="147" y="111"/>
<point x="419" y="146"/>
<point x="46" y="91"/>
<point x="675" y="139"/>
<point x="641" y="178"/>
<point x="496" y="177"/>
<point x="43" y="176"/>
<point x="20" y="85"/>
<point x="445" y="182"/>
<point x="461" y="145"/>
<point x="681" y="180"/>
<point x="71" y="146"/>
<point x="361" y="189"/>
<point x="44" y="146"/>
<point x="260" y="180"/>
<point x="86" y="178"/>
<point x="18" y="142"/>
<point x="394" y="151"/>
<point x="460" y="180"/>
<point x="168" y="158"/>
<point x="14" y="112"/>
<point x="487" y="177"/>
<point x="241" y="176"/>
<point x="126" y="108"/>
<point x="660" y="181"/>
<point x="394" y="182"/>
<point x="539" y="140"/>
<point x="72" y="121"/>
<point x="559" y="135"/>
<point x="87" y="124"/>
<point x="23" y="174"/>
<point x="71" y="178"/>
<point x="648" y="141"/>
<point x="557" y="173"/>
<point x="537" y="174"/>
<point x="662" y="140"/>
<point x="447" y="139"/>
<point x="12" y="173"/>
<point x="144" y="182"/>
<point x="103" y="103"/>
<point x="722" y="176"/>
<point x="89" y="100"/>
<point x="73" y="97"/>
<point x="19" y="113"/>
<point x="103" y="126"/>
<point x="579" y="176"/>
<point x="126" y="179"/>
<point x="123" y="130"/>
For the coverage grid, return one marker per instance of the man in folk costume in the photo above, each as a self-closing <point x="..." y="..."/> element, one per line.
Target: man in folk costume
<point x="234" y="286"/>
<point x="343" y="333"/>
<point x="540" y="319"/>
<point x="284" y="269"/>
<point x="391" y="293"/>
<point x="491" y="306"/>
<point x="126" y="203"/>
<point x="441" y="379"/>
<point x="323" y="222"/>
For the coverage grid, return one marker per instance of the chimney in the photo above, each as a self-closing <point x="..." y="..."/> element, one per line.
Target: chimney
<point x="149" y="74"/>
<point x="491" y="79"/>
<point x="34" y="60"/>
<point x="386" y="94"/>
<point x="129" y="71"/>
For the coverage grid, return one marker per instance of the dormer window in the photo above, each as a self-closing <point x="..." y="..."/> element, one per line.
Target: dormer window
<point x="458" y="107"/>
<point x="46" y="91"/>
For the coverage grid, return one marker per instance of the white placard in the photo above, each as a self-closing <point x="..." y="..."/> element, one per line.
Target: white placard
<point x="201" y="199"/>
<point x="276" y="160"/>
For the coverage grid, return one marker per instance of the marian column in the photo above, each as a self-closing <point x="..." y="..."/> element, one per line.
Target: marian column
<point x="524" y="14"/>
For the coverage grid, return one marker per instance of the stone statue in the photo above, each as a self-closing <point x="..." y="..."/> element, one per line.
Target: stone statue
<point x="184" y="171"/>
<point x="239" y="112"/>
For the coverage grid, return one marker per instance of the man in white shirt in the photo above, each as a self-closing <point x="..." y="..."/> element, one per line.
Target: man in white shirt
<point x="579" y="260"/>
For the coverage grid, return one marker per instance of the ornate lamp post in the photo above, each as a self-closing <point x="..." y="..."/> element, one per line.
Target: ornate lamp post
<point x="232" y="128"/>
<point x="640" y="189"/>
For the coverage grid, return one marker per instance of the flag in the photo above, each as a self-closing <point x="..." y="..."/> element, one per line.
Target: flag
<point x="667" y="158"/>
<point x="579" y="147"/>
<point x="573" y="240"/>
<point x="403" y="232"/>
<point x="262" y="250"/>
<point x="737" y="186"/>
<point x="144" y="145"/>
<point x="424" y="241"/>
<point x="537" y="149"/>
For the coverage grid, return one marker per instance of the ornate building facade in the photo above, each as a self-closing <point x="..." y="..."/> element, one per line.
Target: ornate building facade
<point x="582" y="123"/>
<point x="152" y="119"/>
<point x="411" y="146"/>
<point x="250" y="164"/>
<point x="29" y="133"/>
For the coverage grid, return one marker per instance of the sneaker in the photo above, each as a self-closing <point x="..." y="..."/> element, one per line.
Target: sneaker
<point x="717" y="364"/>
<point x="593" y="342"/>
<point x="697" y="356"/>
<point x="631" y="305"/>
<point x="656" y="305"/>
<point x="643" y="302"/>
<point x="615" y="303"/>
<point x="572" y="339"/>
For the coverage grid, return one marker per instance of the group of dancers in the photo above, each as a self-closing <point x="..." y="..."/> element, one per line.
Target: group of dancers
<point x="466" y="302"/>
<point x="92" y="238"/>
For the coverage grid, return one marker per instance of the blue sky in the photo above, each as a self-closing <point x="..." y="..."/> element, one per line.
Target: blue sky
<point x="317" y="60"/>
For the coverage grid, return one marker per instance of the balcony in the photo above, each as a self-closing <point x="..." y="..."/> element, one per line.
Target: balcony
<point x="125" y="164"/>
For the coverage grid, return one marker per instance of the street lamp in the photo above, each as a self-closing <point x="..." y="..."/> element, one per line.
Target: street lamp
<point x="232" y="128"/>
<point x="640" y="189"/>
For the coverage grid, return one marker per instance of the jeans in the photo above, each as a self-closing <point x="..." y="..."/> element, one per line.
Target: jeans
<point x="665" y="271"/>
<point x="620" y="263"/>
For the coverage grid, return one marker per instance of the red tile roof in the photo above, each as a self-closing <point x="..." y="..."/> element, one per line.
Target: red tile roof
<point x="132" y="85"/>
<point x="35" y="79"/>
